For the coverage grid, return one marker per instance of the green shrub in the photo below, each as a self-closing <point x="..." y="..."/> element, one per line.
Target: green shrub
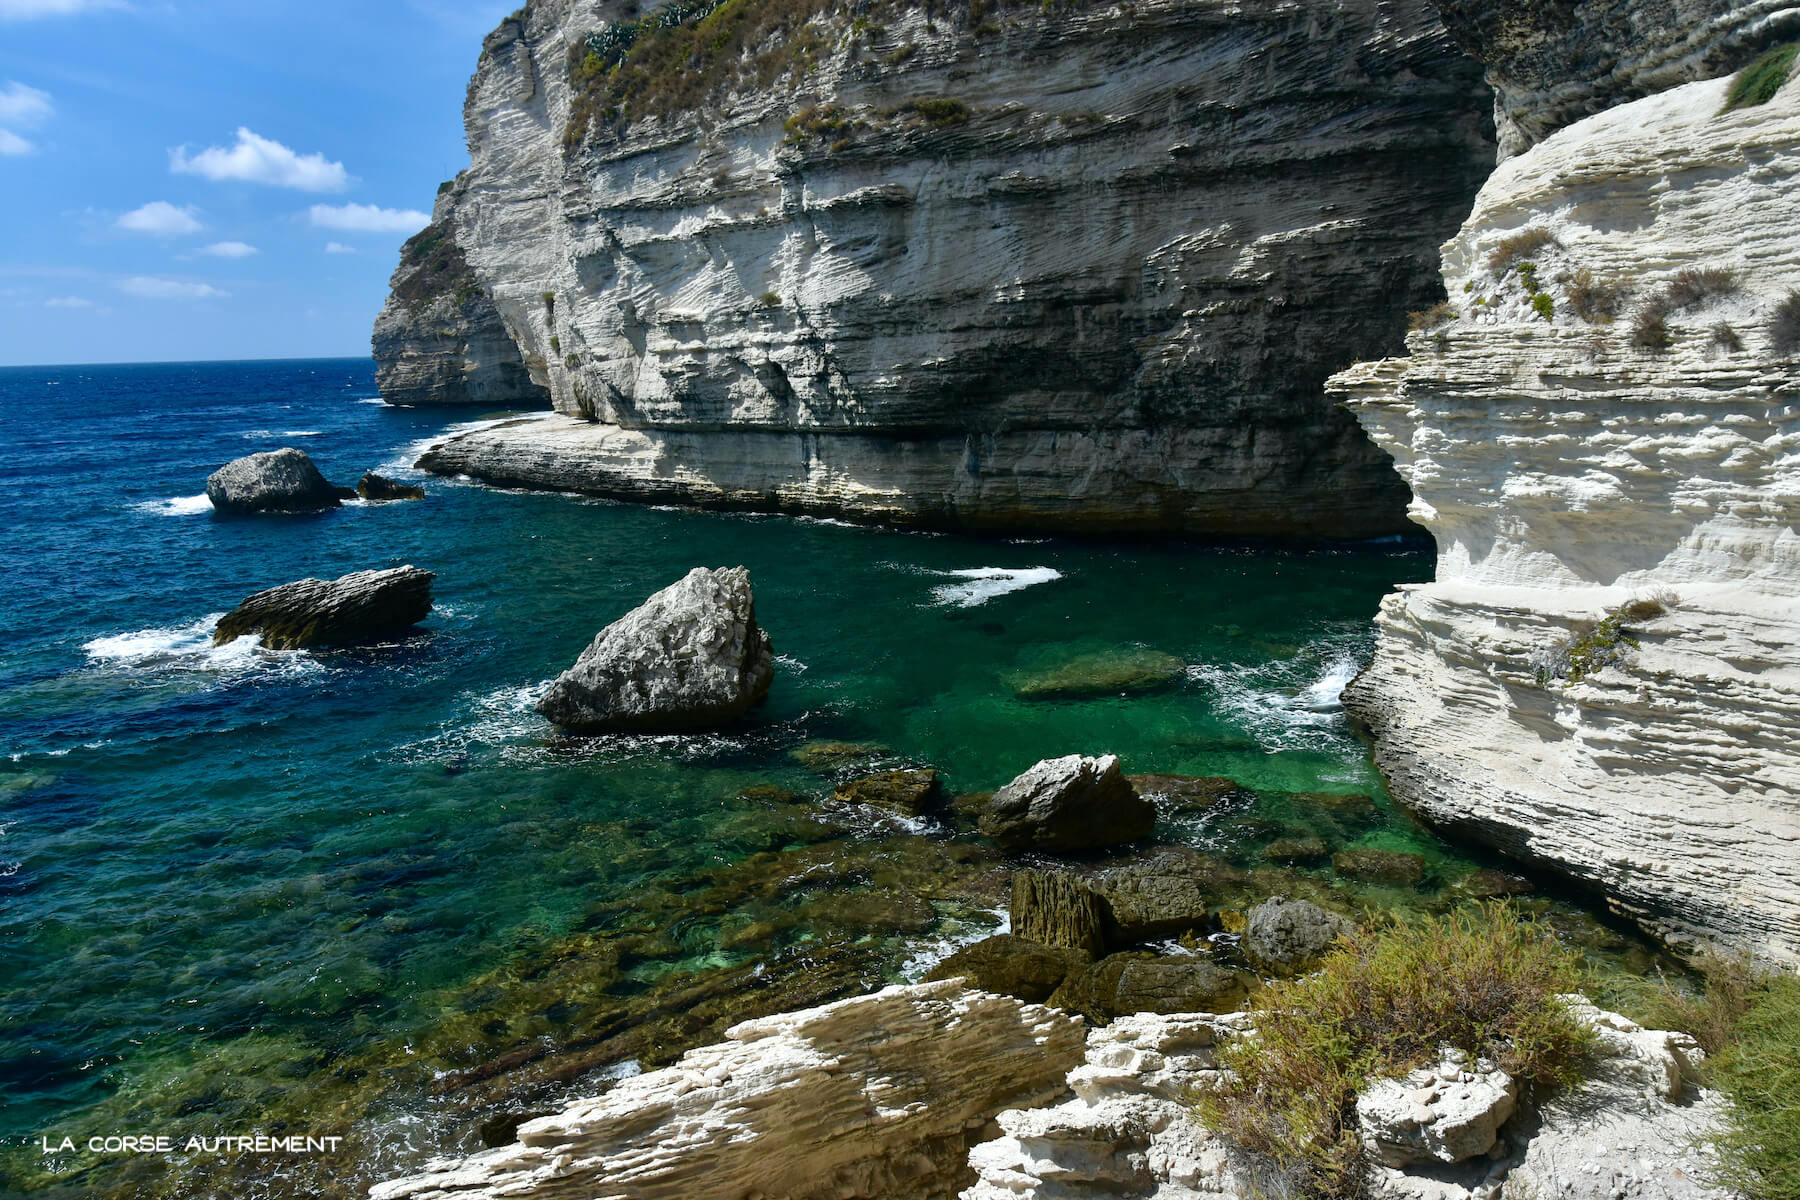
<point x="1520" y="246"/>
<point x="1609" y="643"/>
<point x="1758" y="1070"/>
<point x="769" y="299"/>
<point x="1784" y="327"/>
<point x="1543" y="306"/>
<point x="938" y="112"/>
<point x="1381" y="1004"/>
<point x="1726" y="338"/>
<point x="1650" y="331"/>
<point x="1758" y="82"/>
<point x="555" y="344"/>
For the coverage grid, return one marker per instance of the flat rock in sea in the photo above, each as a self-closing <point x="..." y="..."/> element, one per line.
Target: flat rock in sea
<point x="1073" y="803"/>
<point x="379" y="487"/>
<point x="911" y="793"/>
<point x="1131" y="670"/>
<point x="363" y="606"/>
<point x="283" y="480"/>
<point x="690" y="657"/>
<point x="1011" y="966"/>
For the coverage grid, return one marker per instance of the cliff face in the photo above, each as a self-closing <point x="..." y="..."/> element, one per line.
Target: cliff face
<point x="1604" y="677"/>
<point x="439" y="339"/>
<point x="1553" y="62"/>
<point x="1056" y="266"/>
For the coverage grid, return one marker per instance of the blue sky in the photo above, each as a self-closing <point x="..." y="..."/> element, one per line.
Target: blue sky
<point x="211" y="179"/>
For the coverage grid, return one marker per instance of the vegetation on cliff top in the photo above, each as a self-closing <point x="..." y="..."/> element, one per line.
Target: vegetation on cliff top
<point x="688" y="53"/>
<point x="1758" y="82"/>
<point x="432" y="265"/>
<point x="1381" y="1004"/>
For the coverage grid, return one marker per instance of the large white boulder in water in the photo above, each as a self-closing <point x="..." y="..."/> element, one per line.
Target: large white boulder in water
<point x="690" y="657"/>
<point x="283" y="480"/>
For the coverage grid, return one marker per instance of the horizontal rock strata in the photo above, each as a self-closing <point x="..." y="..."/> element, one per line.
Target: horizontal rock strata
<point x="1603" y="678"/>
<point x="1066" y="268"/>
<point x="439" y="339"/>
<point x="1553" y="62"/>
<point x="873" y="1097"/>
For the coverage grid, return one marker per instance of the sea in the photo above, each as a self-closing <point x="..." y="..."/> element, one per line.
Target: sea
<point x="354" y="893"/>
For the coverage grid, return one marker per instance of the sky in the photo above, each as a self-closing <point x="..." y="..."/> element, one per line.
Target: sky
<point x="219" y="179"/>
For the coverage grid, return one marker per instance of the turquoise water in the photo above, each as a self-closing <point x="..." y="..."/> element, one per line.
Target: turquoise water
<point x="233" y="862"/>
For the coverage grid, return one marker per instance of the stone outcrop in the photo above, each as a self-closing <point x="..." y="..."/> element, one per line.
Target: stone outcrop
<point x="1285" y="937"/>
<point x="1634" y="1129"/>
<point x="1070" y="268"/>
<point x="363" y="606"/>
<point x="1448" y="1112"/>
<point x="690" y="657"/>
<point x="380" y="488"/>
<point x="909" y="793"/>
<point x="439" y="339"/>
<point x="866" y="1099"/>
<point x="1012" y="966"/>
<point x="1553" y="62"/>
<point x="1604" y="677"/>
<point x="284" y="480"/>
<point x="1068" y="804"/>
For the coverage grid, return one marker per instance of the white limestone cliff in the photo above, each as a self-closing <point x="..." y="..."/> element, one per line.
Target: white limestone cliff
<point x="1057" y="266"/>
<point x="1566" y="471"/>
<point x="870" y="1098"/>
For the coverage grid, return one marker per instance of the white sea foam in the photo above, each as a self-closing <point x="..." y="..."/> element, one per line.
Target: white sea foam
<point x="980" y="584"/>
<point x="176" y="506"/>
<point x="1288" y="704"/>
<point x="952" y="936"/>
<point x="370" y="400"/>
<point x="403" y="458"/>
<point x="190" y="648"/>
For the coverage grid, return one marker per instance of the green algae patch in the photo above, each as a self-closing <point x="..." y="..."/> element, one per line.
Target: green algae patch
<point x="1757" y="83"/>
<point x="1133" y="670"/>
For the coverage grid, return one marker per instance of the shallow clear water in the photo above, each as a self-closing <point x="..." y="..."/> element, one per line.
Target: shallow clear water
<point x="271" y="859"/>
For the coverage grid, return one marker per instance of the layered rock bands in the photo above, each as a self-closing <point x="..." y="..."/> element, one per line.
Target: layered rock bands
<point x="1605" y="442"/>
<point x="1063" y="267"/>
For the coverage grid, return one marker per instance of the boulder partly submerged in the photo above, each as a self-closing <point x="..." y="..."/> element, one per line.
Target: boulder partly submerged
<point x="1074" y="803"/>
<point x="363" y="606"/>
<point x="284" y="480"/>
<point x="379" y="487"/>
<point x="690" y="657"/>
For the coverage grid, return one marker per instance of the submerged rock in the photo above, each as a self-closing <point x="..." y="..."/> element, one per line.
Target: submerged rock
<point x="1296" y="850"/>
<point x="876" y="1096"/>
<point x="1106" y="673"/>
<point x="1012" y="966"/>
<point x="1286" y="937"/>
<point x="363" y="606"/>
<point x="690" y="657"/>
<point x="1366" y="864"/>
<point x="1066" y="804"/>
<point x="1173" y="794"/>
<point x="829" y="756"/>
<point x="283" y="480"/>
<point x="379" y="487"/>
<point x="910" y="793"/>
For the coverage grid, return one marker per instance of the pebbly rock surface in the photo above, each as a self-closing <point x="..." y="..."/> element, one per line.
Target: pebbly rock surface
<point x="1068" y="804"/>
<point x="993" y="271"/>
<point x="1553" y="62"/>
<point x="283" y="480"/>
<point x="1285" y="937"/>
<point x="439" y="340"/>
<point x="690" y="657"/>
<point x="363" y="606"/>
<point x="1448" y="1112"/>
<point x="1636" y="1128"/>
<point x="870" y="1098"/>
<point x="1628" y="458"/>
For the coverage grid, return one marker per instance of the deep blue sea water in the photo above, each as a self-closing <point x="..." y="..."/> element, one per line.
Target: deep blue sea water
<point x="262" y="860"/>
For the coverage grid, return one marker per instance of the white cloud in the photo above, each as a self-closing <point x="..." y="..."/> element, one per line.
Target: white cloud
<point x="24" y="10"/>
<point x="367" y="218"/>
<point x="161" y="218"/>
<point x="230" y="250"/>
<point x="259" y="160"/>
<point x="12" y="143"/>
<point x="149" y="287"/>
<point x="23" y="105"/>
<point x="339" y="248"/>
<point x="68" y="302"/>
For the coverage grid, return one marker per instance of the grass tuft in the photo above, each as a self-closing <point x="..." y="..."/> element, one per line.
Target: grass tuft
<point x="1430" y="318"/>
<point x="1595" y="300"/>
<point x="1758" y="1070"/>
<point x="1758" y="82"/>
<point x="1518" y="248"/>
<point x="1696" y="285"/>
<point x="1784" y="326"/>
<point x="1383" y="1003"/>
